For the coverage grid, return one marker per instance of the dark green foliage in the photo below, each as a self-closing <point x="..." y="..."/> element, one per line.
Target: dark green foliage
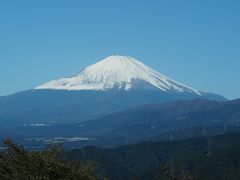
<point x="210" y="158"/>
<point x="198" y="158"/>
<point x="168" y="173"/>
<point x="20" y="164"/>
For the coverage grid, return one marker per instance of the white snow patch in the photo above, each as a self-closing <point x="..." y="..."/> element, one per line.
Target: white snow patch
<point x="119" y="72"/>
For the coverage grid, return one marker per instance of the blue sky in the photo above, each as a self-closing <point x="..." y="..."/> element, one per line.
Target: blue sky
<point x="196" y="43"/>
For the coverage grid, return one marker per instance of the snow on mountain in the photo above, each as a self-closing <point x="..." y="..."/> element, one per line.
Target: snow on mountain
<point x="118" y="72"/>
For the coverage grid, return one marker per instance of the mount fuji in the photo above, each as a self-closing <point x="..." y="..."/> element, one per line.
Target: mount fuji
<point x="118" y="72"/>
<point x="113" y="84"/>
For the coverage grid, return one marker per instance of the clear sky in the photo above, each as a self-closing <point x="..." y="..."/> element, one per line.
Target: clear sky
<point x="195" y="42"/>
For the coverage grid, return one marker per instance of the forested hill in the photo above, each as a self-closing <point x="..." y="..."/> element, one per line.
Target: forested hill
<point x="216" y="157"/>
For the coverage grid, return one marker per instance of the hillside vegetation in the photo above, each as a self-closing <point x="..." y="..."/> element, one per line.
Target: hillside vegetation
<point x="203" y="158"/>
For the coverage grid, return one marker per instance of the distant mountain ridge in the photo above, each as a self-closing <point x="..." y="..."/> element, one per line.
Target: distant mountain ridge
<point x="168" y="121"/>
<point x="148" y="121"/>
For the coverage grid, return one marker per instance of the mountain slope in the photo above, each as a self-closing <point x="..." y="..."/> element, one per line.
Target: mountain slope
<point x="61" y="106"/>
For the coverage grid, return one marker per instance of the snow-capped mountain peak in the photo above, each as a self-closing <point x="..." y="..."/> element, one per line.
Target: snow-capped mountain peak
<point x="118" y="72"/>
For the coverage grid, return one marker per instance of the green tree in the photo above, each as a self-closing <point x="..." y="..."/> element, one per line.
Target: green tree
<point x="20" y="164"/>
